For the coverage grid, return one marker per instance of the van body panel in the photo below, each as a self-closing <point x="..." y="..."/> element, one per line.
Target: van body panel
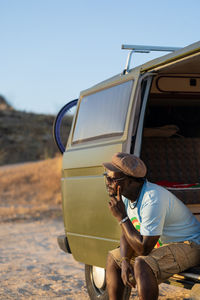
<point x="78" y="218"/>
<point x="95" y="250"/>
<point x="90" y="156"/>
<point x="85" y="204"/>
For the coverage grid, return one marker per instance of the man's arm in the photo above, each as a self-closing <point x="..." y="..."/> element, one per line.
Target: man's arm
<point x="126" y="268"/>
<point x="141" y="245"/>
<point x="125" y="249"/>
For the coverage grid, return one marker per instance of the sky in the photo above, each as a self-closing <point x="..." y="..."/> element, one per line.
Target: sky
<point x="51" y="50"/>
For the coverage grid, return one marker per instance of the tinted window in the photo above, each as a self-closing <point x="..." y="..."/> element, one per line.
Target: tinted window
<point x="103" y="113"/>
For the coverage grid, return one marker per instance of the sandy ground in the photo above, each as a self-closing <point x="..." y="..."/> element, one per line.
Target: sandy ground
<point x="33" y="267"/>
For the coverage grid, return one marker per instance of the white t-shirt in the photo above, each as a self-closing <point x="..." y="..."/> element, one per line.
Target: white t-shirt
<point x="159" y="212"/>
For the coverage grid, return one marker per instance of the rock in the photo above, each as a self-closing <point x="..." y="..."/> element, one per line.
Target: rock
<point x="4" y="104"/>
<point x="26" y="136"/>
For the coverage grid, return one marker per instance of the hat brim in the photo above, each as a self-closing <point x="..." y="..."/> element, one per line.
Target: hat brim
<point x="111" y="167"/>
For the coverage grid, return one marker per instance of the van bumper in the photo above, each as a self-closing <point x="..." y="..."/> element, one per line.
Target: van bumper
<point x="63" y="243"/>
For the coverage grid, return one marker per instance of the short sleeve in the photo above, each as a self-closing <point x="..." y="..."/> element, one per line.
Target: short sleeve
<point x="152" y="214"/>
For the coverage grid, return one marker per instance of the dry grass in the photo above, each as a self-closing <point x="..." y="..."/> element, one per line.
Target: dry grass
<point x="30" y="189"/>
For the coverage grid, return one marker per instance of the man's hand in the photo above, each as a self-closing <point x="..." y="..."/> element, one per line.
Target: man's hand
<point x="117" y="206"/>
<point x="127" y="274"/>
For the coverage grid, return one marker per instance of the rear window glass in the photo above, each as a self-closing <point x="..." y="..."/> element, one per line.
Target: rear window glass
<point x="103" y="114"/>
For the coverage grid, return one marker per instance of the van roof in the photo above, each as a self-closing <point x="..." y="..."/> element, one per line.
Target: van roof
<point x="168" y="63"/>
<point x="171" y="57"/>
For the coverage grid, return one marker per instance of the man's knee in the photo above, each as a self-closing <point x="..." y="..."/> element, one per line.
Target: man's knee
<point x="143" y="270"/>
<point x="139" y="263"/>
<point x="113" y="272"/>
<point x="140" y="266"/>
<point x="110" y="261"/>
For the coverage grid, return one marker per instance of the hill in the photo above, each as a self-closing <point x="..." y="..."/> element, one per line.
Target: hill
<point x="30" y="190"/>
<point x="25" y="136"/>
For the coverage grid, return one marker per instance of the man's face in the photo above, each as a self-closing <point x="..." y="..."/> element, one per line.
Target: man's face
<point x="113" y="179"/>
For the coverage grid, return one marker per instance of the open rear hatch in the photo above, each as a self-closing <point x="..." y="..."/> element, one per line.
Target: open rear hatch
<point x="171" y="135"/>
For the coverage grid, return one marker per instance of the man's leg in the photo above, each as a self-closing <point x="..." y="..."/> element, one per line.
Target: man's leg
<point x="114" y="282"/>
<point x="147" y="285"/>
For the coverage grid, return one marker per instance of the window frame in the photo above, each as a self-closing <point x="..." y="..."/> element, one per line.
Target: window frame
<point x="106" y="136"/>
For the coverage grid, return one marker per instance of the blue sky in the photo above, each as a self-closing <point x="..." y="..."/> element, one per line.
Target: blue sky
<point x="50" y="50"/>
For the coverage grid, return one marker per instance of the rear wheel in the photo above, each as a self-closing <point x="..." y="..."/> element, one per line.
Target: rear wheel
<point x="95" y="278"/>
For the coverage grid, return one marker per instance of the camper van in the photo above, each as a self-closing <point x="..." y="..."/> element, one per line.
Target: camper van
<point x="152" y="111"/>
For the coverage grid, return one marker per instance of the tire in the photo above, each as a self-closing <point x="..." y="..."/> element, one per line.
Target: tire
<point x="57" y="123"/>
<point x="98" y="291"/>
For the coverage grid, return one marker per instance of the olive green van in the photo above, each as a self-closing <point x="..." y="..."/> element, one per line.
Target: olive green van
<point x="153" y="111"/>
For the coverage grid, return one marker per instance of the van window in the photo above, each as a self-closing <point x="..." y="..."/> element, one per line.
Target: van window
<point x="103" y="114"/>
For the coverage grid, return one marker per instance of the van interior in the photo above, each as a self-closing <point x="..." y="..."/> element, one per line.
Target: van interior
<point x="171" y="134"/>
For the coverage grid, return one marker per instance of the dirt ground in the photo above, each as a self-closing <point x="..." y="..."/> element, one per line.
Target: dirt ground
<point x="33" y="267"/>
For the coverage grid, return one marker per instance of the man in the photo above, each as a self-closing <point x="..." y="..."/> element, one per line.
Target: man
<point x="164" y="240"/>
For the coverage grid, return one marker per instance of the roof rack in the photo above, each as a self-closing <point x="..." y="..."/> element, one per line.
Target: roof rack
<point x="143" y="49"/>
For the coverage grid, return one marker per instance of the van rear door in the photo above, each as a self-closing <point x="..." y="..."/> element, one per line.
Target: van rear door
<point x="102" y="126"/>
